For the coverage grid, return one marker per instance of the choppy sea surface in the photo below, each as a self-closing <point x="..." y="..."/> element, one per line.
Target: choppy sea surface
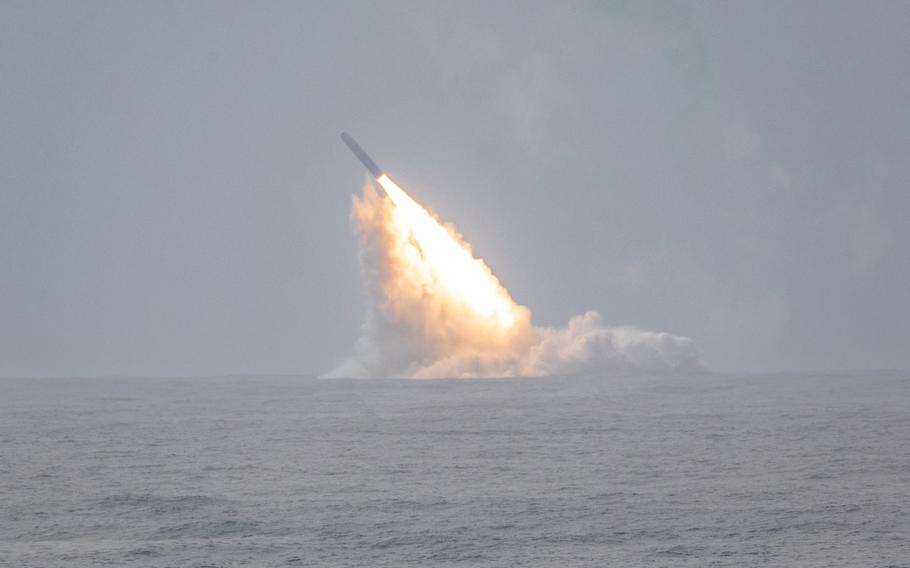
<point x="623" y="471"/>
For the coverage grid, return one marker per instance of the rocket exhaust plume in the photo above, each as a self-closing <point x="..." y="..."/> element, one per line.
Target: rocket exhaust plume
<point x="437" y="310"/>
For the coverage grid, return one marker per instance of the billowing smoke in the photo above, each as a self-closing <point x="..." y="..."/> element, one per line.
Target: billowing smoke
<point x="435" y="310"/>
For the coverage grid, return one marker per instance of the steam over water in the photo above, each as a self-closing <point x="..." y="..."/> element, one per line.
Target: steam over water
<point x="437" y="310"/>
<point x="595" y="471"/>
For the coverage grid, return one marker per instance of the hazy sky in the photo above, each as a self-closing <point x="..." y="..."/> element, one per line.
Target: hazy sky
<point x="174" y="197"/>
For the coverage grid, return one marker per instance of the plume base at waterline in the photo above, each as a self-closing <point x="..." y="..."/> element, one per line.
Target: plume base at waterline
<point x="434" y="310"/>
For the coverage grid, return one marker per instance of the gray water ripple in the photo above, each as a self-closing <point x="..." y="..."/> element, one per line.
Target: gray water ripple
<point x="590" y="471"/>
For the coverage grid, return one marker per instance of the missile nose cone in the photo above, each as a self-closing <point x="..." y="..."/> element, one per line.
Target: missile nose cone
<point x="370" y="165"/>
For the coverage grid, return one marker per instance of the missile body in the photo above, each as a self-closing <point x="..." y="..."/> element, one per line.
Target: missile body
<point x="361" y="155"/>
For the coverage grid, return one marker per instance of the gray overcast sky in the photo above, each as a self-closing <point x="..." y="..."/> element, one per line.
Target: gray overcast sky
<point x="174" y="196"/>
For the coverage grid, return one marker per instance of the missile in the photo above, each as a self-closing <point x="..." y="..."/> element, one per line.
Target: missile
<point x="361" y="155"/>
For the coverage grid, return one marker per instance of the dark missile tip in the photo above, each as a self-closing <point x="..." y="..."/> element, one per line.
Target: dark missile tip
<point x="368" y="163"/>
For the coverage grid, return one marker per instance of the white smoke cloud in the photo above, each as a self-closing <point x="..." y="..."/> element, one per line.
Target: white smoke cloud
<point x="415" y="328"/>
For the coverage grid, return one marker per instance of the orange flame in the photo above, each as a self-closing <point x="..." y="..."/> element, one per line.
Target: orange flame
<point x="433" y="284"/>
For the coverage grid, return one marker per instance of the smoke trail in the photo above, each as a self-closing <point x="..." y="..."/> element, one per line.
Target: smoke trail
<point x="435" y="310"/>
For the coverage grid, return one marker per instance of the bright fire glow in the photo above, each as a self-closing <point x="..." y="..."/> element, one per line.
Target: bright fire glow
<point x="447" y="260"/>
<point x="432" y="283"/>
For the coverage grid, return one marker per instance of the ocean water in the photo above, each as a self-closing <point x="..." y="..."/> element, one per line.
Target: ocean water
<point x="622" y="471"/>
